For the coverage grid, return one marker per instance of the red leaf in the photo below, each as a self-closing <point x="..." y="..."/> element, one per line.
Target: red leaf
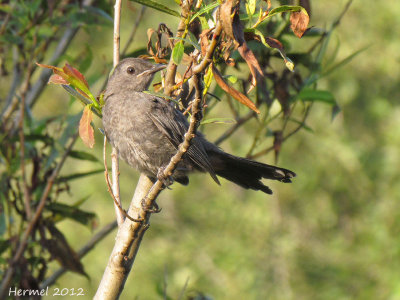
<point x="72" y="72"/>
<point x="299" y="22"/>
<point x="86" y="131"/>
<point x="231" y="91"/>
<point x="57" y="79"/>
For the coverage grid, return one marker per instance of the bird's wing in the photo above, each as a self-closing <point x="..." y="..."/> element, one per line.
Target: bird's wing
<point x="174" y="125"/>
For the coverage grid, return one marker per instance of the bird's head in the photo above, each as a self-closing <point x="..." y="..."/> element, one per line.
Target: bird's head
<point x="133" y="74"/>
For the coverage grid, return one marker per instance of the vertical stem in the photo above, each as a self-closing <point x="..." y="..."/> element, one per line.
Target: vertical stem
<point x="114" y="153"/>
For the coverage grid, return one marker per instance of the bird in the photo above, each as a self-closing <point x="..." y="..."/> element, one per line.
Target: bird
<point x="147" y="131"/>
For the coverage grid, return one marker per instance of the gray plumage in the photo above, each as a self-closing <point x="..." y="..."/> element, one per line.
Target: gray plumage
<point x="147" y="131"/>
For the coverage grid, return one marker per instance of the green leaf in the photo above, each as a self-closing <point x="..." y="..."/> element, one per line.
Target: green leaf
<point x="190" y="40"/>
<point x="231" y="78"/>
<point x="158" y="6"/>
<point x="204" y="10"/>
<point x="252" y="6"/>
<point x="317" y="95"/>
<point x="78" y="175"/>
<point x="177" y="52"/>
<point x="71" y="212"/>
<point x="286" y="8"/>
<point x="83" y="155"/>
<point x="218" y="121"/>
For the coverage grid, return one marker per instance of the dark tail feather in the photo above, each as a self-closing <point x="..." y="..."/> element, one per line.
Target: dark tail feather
<point x="248" y="173"/>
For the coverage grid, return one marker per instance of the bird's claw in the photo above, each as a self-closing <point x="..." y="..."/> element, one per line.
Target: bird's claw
<point x="166" y="180"/>
<point x="153" y="209"/>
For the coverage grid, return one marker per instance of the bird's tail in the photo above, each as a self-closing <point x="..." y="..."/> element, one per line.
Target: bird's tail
<point x="248" y="173"/>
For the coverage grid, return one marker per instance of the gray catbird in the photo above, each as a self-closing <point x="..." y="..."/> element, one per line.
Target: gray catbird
<point x="147" y="131"/>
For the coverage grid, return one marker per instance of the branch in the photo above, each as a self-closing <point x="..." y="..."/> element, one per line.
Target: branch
<point x="130" y="234"/>
<point x="181" y="32"/>
<point x="24" y="240"/>
<point x="210" y="50"/>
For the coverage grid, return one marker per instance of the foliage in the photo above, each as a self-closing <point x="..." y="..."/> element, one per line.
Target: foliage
<point x="32" y="150"/>
<point x="256" y="62"/>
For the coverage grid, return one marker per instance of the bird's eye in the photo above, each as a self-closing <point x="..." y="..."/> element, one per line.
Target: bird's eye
<point x="130" y="70"/>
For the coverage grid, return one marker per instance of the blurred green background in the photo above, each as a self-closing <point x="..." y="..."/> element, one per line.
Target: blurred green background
<point x="332" y="234"/>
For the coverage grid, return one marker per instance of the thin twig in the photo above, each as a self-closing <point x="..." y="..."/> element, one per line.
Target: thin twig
<point x="234" y="127"/>
<point x="119" y="211"/>
<point x="114" y="152"/>
<point x="24" y="240"/>
<point x="102" y="233"/>
<point x="210" y="50"/>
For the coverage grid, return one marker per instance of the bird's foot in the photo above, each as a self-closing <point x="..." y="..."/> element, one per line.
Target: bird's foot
<point x="166" y="180"/>
<point x="153" y="209"/>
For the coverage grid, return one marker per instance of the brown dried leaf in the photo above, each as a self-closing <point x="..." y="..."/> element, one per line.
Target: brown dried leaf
<point x="231" y="91"/>
<point x="150" y="32"/>
<point x="86" y="131"/>
<point x="232" y="26"/>
<point x="60" y="250"/>
<point x="252" y="62"/>
<point x="204" y="41"/>
<point x="274" y="43"/>
<point x="225" y="16"/>
<point x="299" y="22"/>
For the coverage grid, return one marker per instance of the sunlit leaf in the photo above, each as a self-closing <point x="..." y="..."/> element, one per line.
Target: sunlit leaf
<point x="218" y="121"/>
<point x="252" y="6"/>
<point x="204" y="10"/>
<point x="231" y="91"/>
<point x="285" y="8"/>
<point x="231" y="78"/>
<point x="177" y="52"/>
<point x="86" y="131"/>
<point x="317" y="95"/>
<point x="299" y="22"/>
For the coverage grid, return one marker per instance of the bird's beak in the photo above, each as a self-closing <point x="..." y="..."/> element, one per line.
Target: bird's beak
<point x="158" y="67"/>
<point x="153" y="70"/>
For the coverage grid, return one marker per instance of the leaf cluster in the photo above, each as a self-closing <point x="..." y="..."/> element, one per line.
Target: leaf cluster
<point x="32" y="150"/>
